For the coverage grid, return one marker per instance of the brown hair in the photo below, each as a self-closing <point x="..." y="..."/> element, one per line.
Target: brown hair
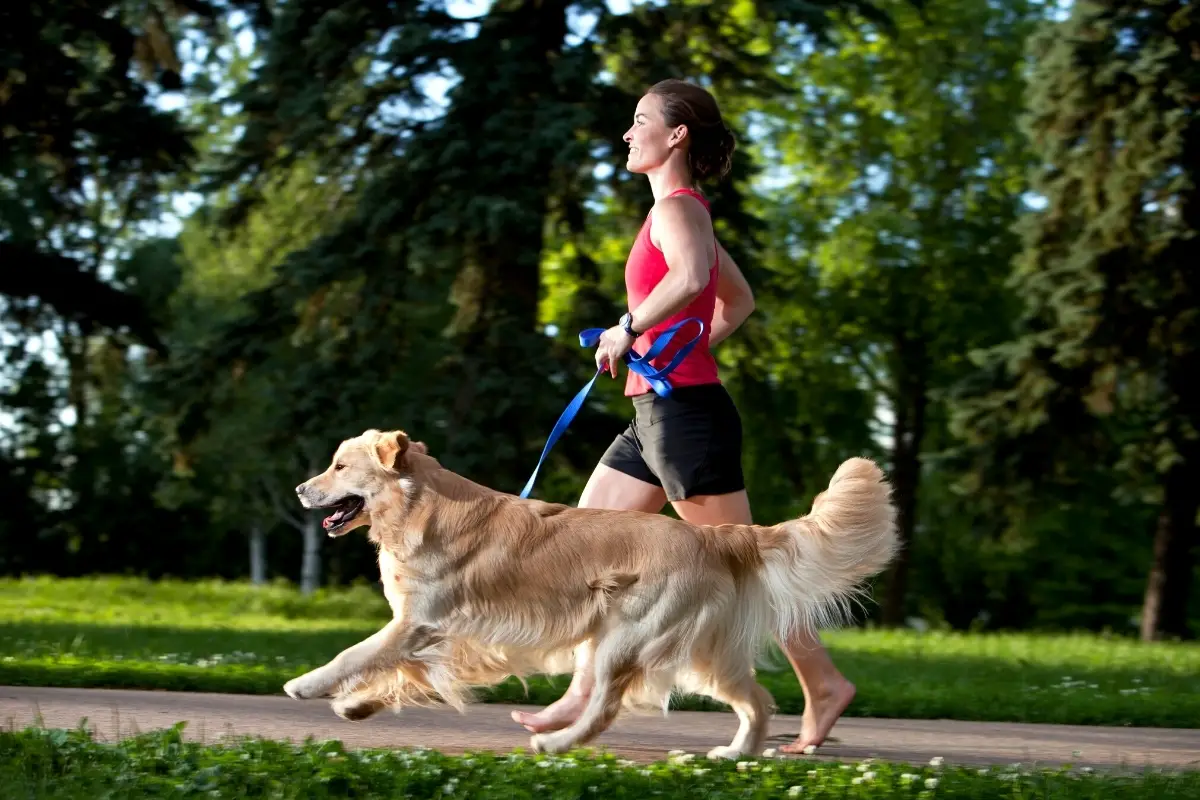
<point x="710" y="151"/>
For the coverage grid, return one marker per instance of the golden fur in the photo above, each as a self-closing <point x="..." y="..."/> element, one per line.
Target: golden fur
<point x="484" y="585"/>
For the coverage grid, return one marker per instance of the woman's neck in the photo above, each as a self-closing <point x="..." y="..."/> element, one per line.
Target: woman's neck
<point x="670" y="177"/>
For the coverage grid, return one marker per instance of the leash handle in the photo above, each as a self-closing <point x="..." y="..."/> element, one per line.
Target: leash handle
<point x="657" y="378"/>
<point x="641" y="364"/>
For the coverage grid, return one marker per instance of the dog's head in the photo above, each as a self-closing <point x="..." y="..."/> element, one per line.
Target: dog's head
<point x="362" y="469"/>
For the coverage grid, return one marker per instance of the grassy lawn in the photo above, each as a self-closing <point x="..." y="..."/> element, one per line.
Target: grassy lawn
<point x="212" y="636"/>
<point x="37" y="763"/>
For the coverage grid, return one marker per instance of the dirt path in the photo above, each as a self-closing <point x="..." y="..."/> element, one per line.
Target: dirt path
<point x="112" y="713"/>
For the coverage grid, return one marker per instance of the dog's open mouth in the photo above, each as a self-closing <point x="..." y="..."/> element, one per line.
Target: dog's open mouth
<point x="344" y="511"/>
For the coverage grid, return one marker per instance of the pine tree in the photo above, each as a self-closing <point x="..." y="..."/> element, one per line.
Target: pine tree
<point x="1107" y="353"/>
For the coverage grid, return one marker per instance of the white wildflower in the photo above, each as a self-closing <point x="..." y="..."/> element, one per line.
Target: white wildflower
<point x="936" y="761"/>
<point x="931" y="783"/>
<point x="795" y="791"/>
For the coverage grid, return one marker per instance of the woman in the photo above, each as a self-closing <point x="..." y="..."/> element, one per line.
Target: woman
<point x="685" y="449"/>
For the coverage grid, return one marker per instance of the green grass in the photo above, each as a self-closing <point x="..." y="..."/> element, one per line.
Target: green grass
<point x="213" y="636"/>
<point x="38" y="763"/>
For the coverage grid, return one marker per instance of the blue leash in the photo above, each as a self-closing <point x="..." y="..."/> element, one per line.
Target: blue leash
<point x="657" y="378"/>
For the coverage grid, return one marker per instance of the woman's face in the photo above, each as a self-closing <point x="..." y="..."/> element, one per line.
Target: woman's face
<point x="650" y="140"/>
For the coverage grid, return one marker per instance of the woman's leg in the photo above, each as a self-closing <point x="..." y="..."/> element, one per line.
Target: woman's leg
<point x="826" y="691"/>
<point x="612" y="489"/>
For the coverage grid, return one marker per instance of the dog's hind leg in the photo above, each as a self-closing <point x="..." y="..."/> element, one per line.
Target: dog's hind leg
<point x="616" y="669"/>
<point x="358" y="706"/>
<point x="752" y="704"/>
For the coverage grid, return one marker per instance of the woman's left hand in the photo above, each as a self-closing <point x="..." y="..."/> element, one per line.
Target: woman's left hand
<point x="614" y="343"/>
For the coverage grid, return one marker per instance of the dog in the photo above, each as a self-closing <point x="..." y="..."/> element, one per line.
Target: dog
<point x="484" y="585"/>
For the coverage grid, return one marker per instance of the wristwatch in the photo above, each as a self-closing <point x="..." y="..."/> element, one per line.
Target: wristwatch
<point x="627" y="324"/>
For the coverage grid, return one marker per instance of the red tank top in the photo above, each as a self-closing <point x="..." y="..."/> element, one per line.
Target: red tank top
<point x="644" y="268"/>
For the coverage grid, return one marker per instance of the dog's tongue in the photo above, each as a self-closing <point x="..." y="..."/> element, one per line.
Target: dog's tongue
<point x="332" y="519"/>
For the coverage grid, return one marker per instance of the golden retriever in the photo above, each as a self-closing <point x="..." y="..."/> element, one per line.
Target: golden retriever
<point x="484" y="585"/>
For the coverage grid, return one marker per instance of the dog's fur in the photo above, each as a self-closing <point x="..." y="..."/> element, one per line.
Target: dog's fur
<point x="484" y="585"/>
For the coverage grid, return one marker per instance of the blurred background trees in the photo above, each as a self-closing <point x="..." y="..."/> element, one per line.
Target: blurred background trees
<point x="234" y="233"/>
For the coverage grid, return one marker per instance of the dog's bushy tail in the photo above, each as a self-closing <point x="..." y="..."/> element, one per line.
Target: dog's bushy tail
<point x="815" y="566"/>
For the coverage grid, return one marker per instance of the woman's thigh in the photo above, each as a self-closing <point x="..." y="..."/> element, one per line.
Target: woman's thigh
<point x="715" y="509"/>
<point x="610" y="488"/>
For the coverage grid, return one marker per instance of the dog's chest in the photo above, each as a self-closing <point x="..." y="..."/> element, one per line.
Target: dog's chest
<point x="389" y="576"/>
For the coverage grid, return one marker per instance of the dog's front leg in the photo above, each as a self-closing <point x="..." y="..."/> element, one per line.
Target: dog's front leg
<point x="398" y="639"/>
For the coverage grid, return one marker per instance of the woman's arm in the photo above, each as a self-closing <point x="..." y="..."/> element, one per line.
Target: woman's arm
<point x="684" y="234"/>
<point x="683" y="231"/>
<point x="735" y="300"/>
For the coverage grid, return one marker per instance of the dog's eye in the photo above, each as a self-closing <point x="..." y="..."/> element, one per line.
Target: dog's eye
<point x="339" y="467"/>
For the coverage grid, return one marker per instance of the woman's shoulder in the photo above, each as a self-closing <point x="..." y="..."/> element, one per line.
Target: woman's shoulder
<point x="678" y="213"/>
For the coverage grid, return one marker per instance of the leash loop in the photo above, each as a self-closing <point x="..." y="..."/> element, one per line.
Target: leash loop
<point x="657" y="378"/>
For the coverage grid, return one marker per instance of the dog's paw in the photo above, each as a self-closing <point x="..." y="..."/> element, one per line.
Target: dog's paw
<point x="724" y="752"/>
<point x="304" y="688"/>
<point x="549" y="743"/>
<point x="355" y="710"/>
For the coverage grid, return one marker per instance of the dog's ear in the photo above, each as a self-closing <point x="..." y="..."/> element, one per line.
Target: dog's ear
<point x="389" y="449"/>
<point x="418" y="447"/>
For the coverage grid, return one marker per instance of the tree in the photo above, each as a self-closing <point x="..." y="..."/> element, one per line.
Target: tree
<point x="1106" y="353"/>
<point x="85" y="161"/>
<point x="84" y="156"/>
<point x="902" y="177"/>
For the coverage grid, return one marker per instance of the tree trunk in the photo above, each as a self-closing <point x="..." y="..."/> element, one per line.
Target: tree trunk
<point x="909" y="433"/>
<point x="1168" y="586"/>
<point x="258" y="555"/>
<point x="310" y="565"/>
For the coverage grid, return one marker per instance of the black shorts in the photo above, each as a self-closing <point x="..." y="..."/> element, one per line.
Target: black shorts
<point x="689" y="444"/>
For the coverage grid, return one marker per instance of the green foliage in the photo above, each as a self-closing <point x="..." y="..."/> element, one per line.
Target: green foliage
<point x="1102" y="365"/>
<point x="83" y="155"/>
<point x="900" y="180"/>
<point x="69" y="764"/>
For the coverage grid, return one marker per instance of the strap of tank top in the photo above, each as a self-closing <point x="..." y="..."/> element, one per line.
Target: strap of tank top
<point x="693" y="193"/>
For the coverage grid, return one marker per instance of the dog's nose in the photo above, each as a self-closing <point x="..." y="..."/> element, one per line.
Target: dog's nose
<point x="300" y="489"/>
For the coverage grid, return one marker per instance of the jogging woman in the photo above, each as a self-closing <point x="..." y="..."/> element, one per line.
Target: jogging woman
<point x="685" y="449"/>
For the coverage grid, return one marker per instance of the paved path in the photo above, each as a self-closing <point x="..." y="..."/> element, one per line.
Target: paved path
<point x="113" y="713"/>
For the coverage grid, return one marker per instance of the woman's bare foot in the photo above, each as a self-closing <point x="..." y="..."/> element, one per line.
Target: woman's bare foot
<point x="821" y="715"/>
<point x="556" y="716"/>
